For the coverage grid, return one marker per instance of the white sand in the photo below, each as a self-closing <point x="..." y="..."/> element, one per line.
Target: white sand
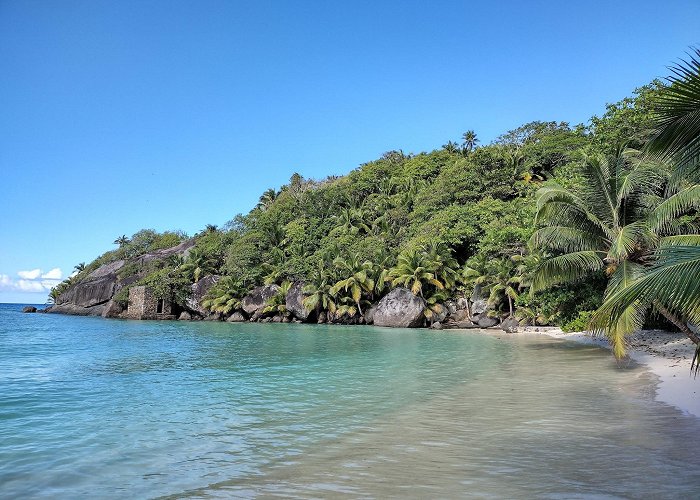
<point x="668" y="355"/>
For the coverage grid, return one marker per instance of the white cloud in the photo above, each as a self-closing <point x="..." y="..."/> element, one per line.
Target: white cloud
<point x="54" y="274"/>
<point x="33" y="281"/>
<point x="29" y="275"/>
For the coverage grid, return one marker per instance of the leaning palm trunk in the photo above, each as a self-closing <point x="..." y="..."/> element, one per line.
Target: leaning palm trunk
<point x="679" y="323"/>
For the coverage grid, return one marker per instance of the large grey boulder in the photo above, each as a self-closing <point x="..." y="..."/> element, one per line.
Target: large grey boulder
<point x="236" y="317"/>
<point x="459" y="315"/>
<point x="29" y="309"/>
<point x="400" y="309"/>
<point x="369" y="314"/>
<point x="487" y="322"/>
<point x="480" y="306"/>
<point x="294" y="301"/>
<point x="84" y="297"/>
<point x="256" y="300"/>
<point x="510" y="325"/>
<point x="198" y="291"/>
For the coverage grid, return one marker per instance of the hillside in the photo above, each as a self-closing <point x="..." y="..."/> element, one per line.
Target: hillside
<point x="449" y="224"/>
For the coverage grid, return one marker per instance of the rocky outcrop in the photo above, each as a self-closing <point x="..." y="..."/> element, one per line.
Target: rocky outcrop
<point x="90" y="296"/>
<point x="510" y="325"/>
<point x="236" y="317"/>
<point x="294" y="301"/>
<point x="400" y="309"/>
<point x="486" y="321"/>
<point x="256" y="300"/>
<point x="29" y="309"/>
<point x="199" y="290"/>
<point x="181" y="249"/>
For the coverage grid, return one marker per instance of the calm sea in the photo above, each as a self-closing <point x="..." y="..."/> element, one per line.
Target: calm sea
<point x="100" y="408"/>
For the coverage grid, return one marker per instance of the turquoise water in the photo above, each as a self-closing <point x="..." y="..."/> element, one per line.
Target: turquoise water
<point x="125" y="409"/>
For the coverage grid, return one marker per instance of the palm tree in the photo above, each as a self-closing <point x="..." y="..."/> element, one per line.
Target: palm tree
<point x="442" y="263"/>
<point x="79" y="267"/>
<point x="197" y="264"/>
<point x="451" y="147"/>
<point x="225" y="296"/>
<point x="503" y="284"/>
<point x="358" y="279"/>
<point x="613" y="223"/>
<point x="469" y="141"/>
<point x="277" y="303"/>
<point x="678" y="120"/>
<point x="121" y="241"/>
<point x="266" y="199"/>
<point x="672" y="283"/>
<point x="414" y="270"/>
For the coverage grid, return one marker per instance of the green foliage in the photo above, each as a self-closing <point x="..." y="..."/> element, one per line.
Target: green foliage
<point x="444" y="221"/>
<point x="580" y="323"/>
<point x="225" y="296"/>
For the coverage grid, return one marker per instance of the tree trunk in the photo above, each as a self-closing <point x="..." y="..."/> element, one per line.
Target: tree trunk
<point x="678" y="322"/>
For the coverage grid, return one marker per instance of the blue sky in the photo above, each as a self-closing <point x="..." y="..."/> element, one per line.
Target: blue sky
<point x="122" y="115"/>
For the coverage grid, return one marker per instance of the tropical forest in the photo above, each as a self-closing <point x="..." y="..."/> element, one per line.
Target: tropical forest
<point x="591" y="226"/>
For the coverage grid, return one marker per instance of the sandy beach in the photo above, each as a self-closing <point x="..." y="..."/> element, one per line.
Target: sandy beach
<point x="668" y="355"/>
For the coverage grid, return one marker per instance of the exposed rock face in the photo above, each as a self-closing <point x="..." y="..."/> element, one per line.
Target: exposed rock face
<point x="93" y="295"/>
<point x="294" y="301"/>
<point x="29" y="309"/>
<point x="236" y="317"/>
<point x="436" y="326"/>
<point x="199" y="290"/>
<point x="440" y="317"/>
<point x="369" y="315"/>
<point x="462" y="303"/>
<point x="181" y="249"/>
<point x="255" y="301"/>
<point x="486" y="322"/>
<point x="480" y="306"/>
<point x="106" y="269"/>
<point x="185" y="316"/>
<point x="400" y="309"/>
<point x="460" y="315"/>
<point x="510" y="325"/>
<point x="112" y="310"/>
<point x="90" y="297"/>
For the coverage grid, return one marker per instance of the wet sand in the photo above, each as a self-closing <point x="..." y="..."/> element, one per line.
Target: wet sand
<point x="667" y="354"/>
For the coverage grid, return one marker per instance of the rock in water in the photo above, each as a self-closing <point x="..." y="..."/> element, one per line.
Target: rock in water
<point x="236" y="317"/>
<point x="294" y="301"/>
<point x="400" y="309"/>
<point x="29" y="309"/>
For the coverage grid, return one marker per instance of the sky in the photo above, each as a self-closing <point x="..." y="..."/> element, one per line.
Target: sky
<point x="121" y="115"/>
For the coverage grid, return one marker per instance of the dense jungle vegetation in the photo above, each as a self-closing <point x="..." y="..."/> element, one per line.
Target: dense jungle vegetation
<point x="548" y="221"/>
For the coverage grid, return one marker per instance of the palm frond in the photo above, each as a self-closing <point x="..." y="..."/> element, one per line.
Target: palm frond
<point x="568" y="267"/>
<point x="678" y="119"/>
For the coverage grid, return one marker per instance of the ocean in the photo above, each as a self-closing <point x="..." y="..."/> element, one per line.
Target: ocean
<point x="134" y="409"/>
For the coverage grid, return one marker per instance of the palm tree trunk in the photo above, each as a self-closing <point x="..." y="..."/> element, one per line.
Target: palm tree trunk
<point x="680" y="324"/>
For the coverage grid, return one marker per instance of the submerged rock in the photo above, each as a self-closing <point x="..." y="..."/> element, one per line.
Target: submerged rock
<point x="400" y="309"/>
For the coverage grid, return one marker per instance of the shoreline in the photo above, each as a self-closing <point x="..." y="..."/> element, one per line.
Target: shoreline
<point x="666" y="354"/>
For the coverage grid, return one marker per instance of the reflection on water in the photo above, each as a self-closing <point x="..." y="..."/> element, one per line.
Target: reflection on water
<point x="145" y="409"/>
